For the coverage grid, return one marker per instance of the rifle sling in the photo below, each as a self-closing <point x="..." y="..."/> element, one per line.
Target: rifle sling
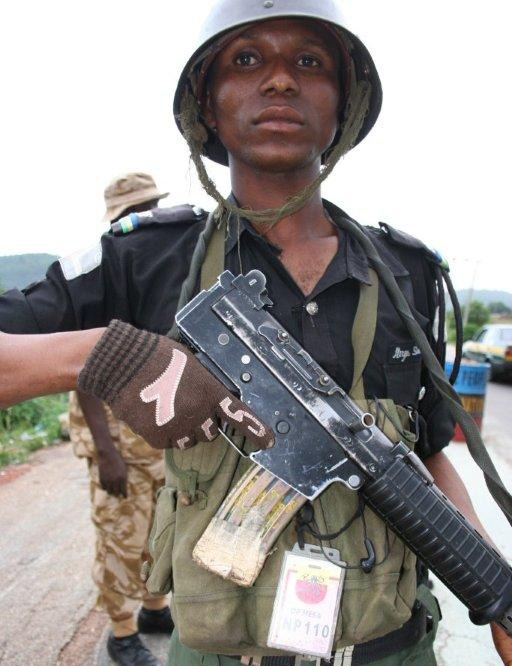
<point x="363" y="332"/>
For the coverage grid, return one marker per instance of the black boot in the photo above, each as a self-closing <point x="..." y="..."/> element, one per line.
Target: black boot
<point x="130" y="651"/>
<point x="155" y="621"/>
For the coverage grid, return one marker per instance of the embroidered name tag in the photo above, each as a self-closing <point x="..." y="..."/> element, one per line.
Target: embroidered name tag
<point x="403" y="352"/>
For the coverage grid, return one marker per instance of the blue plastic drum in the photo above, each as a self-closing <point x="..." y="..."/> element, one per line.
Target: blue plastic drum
<point x="471" y="385"/>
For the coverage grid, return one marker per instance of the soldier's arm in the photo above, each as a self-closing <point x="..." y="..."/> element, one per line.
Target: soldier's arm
<point x="49" y="327"/>
<point x="42" y="349"/>
<point x="438" y="422"/>
<point x="34" y="365"/>
<point x="80" y="293"/>
<point x="112" y="469"/>
<point x="450" y="483"/>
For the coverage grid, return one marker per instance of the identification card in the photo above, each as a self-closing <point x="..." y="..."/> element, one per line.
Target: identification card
<point x="307" y="602"/>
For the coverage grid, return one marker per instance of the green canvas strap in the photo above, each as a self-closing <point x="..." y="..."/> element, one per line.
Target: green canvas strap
<point x="213" y="264"/>
<point x="196" y="262"/>
<point x="211" y="268"/>
<point x="363" y="332"/>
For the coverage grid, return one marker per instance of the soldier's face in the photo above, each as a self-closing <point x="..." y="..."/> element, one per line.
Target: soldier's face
<point x="274" y="94"/>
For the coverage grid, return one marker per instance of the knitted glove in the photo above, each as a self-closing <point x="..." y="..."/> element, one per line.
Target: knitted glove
<point x="162" y="392"/>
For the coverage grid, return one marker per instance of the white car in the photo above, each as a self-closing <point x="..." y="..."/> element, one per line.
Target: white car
<point x="492" y="344"/>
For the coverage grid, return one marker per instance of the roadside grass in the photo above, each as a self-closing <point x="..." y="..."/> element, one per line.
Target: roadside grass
<point x="30" y="426"/>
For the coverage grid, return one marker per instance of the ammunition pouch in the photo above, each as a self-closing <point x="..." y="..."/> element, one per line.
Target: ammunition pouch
<point x="212" y="614"/>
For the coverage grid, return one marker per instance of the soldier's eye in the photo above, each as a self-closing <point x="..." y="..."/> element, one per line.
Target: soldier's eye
<point x="309" y="61"/>
<point x="245" y="59"/>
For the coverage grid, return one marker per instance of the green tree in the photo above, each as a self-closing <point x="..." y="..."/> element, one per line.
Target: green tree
<point x="498" y="307"/>
<point x="478" y="316"/>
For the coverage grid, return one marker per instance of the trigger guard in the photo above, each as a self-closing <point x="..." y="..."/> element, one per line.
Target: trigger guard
<point x="231" y="442"/>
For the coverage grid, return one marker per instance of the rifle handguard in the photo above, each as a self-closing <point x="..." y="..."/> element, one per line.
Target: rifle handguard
<point x="440" y="535"/>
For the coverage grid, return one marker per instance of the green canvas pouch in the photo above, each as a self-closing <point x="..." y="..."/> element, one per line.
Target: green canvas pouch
<point x="161" y="543"/>
<point x="187" y="474"/>
<point x="215" y="615"/>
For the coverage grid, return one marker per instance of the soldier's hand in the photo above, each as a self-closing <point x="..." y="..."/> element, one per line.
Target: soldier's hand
<point x="162" y="392"/>
<point x="502" y="643"/>
<point x="112" y="471"/>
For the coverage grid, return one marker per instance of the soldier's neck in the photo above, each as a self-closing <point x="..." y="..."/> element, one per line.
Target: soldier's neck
<point x="260" y="191"/>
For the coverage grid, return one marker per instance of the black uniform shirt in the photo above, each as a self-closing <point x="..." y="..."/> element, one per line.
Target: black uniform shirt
<point x="137" y="278"/>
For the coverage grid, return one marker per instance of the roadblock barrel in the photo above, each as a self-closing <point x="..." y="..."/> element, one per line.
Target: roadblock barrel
<point x="471" y="385"/>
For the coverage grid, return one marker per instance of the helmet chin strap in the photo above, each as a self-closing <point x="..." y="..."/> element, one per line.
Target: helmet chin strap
<point x="196" y="135"/>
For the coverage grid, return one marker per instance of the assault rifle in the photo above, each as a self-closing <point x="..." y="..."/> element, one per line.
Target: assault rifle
<point x="322" y="437"/>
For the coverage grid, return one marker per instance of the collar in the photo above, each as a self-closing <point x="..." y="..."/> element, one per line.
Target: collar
<point x="350" y="260"/>
<point x="379" y="240"/>
<point x="237" y="226"/>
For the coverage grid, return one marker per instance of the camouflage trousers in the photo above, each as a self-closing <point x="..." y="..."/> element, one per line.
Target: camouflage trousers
<point x="122" y="530"/>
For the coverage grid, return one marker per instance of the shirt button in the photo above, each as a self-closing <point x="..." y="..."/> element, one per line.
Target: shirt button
<point x="312" y="308"/>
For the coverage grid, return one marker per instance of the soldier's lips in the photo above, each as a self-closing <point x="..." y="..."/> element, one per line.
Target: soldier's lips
<point x="279" y="119"/>
<point x="279" y="126"/>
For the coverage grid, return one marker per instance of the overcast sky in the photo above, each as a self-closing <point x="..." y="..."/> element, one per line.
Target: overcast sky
<point x="87" y="90"/>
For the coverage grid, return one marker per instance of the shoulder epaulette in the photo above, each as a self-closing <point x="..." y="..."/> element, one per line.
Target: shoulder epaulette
<point x="406" y="240"/>
<point x="157" y="216"/>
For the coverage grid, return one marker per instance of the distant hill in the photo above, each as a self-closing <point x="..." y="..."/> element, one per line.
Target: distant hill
<point x="486" y="296"/>
<point x="19" y="270"/>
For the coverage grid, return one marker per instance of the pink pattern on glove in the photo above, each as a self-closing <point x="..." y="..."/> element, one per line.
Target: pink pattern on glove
<point x="164" y="389"/>
<point x="239" y="415"/>
<point x="207" y="429"/>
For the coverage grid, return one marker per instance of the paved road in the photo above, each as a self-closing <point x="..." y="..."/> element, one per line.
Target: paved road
<point x="46" y="542"/>
<point x="498" y="418"/>
<point x="45" y="558"/>
<point x="459" y="641"/>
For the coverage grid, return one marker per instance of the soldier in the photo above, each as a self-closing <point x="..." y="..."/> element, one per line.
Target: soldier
<point x="130" y="193"/>
<point x="275" y="90"/>
<point x="125" y="474"/>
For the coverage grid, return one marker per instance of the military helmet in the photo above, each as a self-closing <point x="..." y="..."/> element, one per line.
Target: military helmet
<point x="229" y="15"/>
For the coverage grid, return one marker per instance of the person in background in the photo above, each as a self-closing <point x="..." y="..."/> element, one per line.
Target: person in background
<point x="125" y="474"/>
